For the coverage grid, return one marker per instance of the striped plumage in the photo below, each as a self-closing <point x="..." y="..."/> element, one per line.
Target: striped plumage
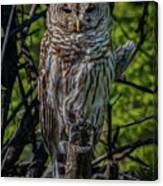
<point x="76" y="70"/>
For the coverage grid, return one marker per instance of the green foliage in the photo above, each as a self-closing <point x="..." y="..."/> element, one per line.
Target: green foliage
<point x="132" y="103"/>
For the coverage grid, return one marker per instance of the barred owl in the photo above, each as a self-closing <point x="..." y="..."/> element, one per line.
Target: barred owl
<point x="77" y="66"/>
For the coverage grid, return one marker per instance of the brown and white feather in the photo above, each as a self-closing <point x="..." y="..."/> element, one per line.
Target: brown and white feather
<point x="76" y="71"/>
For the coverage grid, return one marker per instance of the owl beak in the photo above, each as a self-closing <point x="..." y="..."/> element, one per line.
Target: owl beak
<point x="78" y="25"/>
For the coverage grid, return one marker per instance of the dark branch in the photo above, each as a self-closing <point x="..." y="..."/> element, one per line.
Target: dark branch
<point x="12" y="150"/>
<point x="37" y="166"/>
<point x="7" y="32"/>
<point x="138" y="160"/>
<point x="144" y="89"/>
<point x="26" y="23"/>
<point x="125" y="150"/>
<point x="129" y="124"/>
<point x="138" y="121"/>
<point x="14" y="113"/>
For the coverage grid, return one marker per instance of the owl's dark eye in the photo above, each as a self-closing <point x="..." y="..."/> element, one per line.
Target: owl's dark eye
<point x="66" y="10"/>
<point x="90" y="9"/>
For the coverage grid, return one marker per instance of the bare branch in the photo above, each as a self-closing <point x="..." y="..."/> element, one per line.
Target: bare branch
<point x="137" y="121"/>
<point x="7" y="32"/>
<point x="144" y="89"/>
<point x="138" y="160"/>
<point x="37" y="166"/>
<point x="125" y="150"/>
<point x="12" y="151"/>
<point x="14" y="113"/>
<point x="26" y="23"/>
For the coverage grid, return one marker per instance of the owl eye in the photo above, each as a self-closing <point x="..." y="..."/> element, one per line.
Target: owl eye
<point x="66" y="10"/>
<point x="90" y="9"/>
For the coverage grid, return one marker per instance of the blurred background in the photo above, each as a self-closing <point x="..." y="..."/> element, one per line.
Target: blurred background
<point x="132" y="114"/>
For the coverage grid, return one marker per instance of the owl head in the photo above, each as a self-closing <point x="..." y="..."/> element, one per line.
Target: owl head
<point x="78" y="17"/>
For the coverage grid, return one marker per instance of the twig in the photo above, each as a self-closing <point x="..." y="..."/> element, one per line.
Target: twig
<point x="137" y="121"/>
<point x="22" y="91"/>
<point x="115" y="137"/>
<point x="144" y="89"/>
<point x="129" y="124"/>
<point x="26" y="23"/>
<point x="142" y="34"/>
<point x="138" y="160"/>
<point x="126" y="149"/>
<point x="146" y="53"/>
<point x="7" y="32"/>
<point x="23" y="36"/>
<point x="32" y="11"/>
<point x="14" y="113"/>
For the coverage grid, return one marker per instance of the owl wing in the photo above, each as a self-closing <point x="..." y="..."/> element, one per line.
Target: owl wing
<point x="48" y="85"/>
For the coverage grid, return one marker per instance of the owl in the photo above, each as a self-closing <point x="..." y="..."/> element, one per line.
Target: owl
<point x="76" y="69"/>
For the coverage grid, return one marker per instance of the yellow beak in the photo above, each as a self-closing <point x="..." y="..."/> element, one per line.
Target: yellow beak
<point x="78" y="25"/>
